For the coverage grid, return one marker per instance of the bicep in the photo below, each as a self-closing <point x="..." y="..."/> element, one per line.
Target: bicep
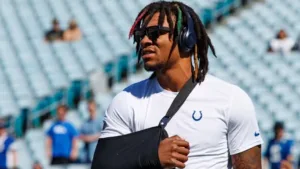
<point x="48" y="141"/>
<point x="249" y="159"/>
<point x="117" y="120"/>
<point x="243" y="130"/>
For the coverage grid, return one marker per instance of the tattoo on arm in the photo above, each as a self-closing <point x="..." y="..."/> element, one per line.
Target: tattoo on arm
<point x="249" y="159"/>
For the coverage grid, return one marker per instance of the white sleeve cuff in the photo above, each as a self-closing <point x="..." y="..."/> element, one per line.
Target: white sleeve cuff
<point x="246" y="147"/>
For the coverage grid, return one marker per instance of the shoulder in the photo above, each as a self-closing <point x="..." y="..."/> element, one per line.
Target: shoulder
<point x="52" y="126"/>
<point x="271" y="142"/>
<point x="289" y="142"/>
<point x="223" y="88"/>
<point x="122" y="105"/>
<point x="136" y="90"/>
<point x="139" y="88"/>
<point x="238" y="102"/>
<point x="10" y="139"/>
<point x="68" y="124"/>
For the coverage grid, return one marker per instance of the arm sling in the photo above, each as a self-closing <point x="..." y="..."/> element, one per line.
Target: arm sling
<point x="138" y="150"/>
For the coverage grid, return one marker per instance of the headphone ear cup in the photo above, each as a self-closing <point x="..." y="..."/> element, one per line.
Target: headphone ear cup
<point x="183" y="40"/>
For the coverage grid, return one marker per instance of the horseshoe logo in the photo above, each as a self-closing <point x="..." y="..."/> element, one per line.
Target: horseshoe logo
<point x="197" y="116"/>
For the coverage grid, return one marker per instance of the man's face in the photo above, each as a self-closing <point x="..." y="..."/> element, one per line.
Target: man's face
<point x="92" y="107"/>
<point x="2" y="130"/>
<point x="56" y="27"/>
<point x="279" y="132"/>
<point x="282" y="34"/>
<point x="155" y="51"/>
<point x="61" y="113"/>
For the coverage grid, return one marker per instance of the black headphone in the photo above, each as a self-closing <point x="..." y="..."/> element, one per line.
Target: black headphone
<point x="187" y="37"/>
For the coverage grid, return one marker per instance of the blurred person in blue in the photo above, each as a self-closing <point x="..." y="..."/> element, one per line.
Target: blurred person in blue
<point x="7" y="148"/>
<point x="61" y="142"/>
<point x="90" y="131"/>
<point x="279" y="149"/>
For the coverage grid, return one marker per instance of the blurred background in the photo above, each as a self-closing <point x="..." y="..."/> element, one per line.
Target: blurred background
<point x="70" y="57"/>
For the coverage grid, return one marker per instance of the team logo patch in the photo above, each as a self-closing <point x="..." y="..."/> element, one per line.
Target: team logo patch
<point x="197" y="115"/>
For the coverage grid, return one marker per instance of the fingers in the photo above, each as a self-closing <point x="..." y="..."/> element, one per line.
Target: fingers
<point x="183" y="150"/>
<point x="176" y="137"/>
<point x="180" y="157"/>
<point x="182" y="143"/>
<point x="179" y="150"/>
<point x="177" y="163"/>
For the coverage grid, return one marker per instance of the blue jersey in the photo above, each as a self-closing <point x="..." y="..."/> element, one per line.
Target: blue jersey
<point x="278" y="151"/>
<point x="4" y="148"/>
<point x="62" y="133"/>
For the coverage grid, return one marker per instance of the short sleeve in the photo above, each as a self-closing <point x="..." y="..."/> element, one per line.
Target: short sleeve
<point x="243" y="130"/>
<point x="73" y="131"/>
<point x="291" y="149"/>
<point x="267" y="152"/>
<point x="117" y="117"/>
<point x="13" y="146"/>
<point x="49" y="133"/>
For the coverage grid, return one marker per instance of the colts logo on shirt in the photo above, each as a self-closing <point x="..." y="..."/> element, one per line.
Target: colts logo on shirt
<point x="197" y="115"/>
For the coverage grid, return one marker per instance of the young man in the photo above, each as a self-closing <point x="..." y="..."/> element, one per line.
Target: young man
<point x="90" y="131"/>
<point x="55" y="34"/>
<point x="279" y="148"/>
<point x="216" y="127"/>
<point x="61" y="142"/>
<point x="6" y="148"/>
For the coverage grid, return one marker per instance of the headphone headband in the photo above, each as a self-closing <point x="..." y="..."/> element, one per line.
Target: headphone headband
<point x="187" y="38"/>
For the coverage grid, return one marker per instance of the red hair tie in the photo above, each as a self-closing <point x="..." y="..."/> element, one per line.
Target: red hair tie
<point x="136" y="21"/>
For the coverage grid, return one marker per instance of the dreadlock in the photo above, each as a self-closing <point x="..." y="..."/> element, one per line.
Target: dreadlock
<point x="177" y="9"/>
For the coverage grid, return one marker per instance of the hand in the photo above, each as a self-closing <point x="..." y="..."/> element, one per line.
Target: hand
<point x="73" y="155"/>
<point x="285" y="165"/>
<point x="49" y="154"/>
<point x="173" y="152"/>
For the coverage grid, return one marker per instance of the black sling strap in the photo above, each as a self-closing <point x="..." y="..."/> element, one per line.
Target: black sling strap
<point x="178" y="101"/>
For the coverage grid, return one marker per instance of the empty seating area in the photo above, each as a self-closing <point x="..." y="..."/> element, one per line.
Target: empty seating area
<point x="35" y="75"/>
<point x="271" y="79"/>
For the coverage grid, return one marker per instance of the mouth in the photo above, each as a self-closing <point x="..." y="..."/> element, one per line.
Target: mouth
<point x="146" y="53"/>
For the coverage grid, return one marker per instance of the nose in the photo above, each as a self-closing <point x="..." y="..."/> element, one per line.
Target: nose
<point x="146" y="41"/>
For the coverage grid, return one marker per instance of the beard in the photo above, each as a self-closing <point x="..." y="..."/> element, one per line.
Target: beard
<point x="153" y="67"/>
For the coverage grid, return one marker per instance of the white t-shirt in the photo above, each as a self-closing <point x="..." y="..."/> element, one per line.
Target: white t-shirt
<point x="217" y="119"/>
<point x="284" y="45"/>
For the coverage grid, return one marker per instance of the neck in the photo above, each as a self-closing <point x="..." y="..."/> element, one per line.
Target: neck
<point x="175" y="77"/>
<point x="92" y="117"/>
<point x="278" y="138"/>
<point x="3" y="134"/>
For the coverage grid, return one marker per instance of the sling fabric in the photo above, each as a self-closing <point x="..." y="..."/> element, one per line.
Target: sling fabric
<point x="138" y="150"/>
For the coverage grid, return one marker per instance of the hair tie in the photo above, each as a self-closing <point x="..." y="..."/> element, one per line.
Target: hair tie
<point x="179" y="21"/>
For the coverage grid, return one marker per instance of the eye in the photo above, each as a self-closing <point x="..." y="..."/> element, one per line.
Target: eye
<point x="153" y="33"/>
<point x="138" y="35"/>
